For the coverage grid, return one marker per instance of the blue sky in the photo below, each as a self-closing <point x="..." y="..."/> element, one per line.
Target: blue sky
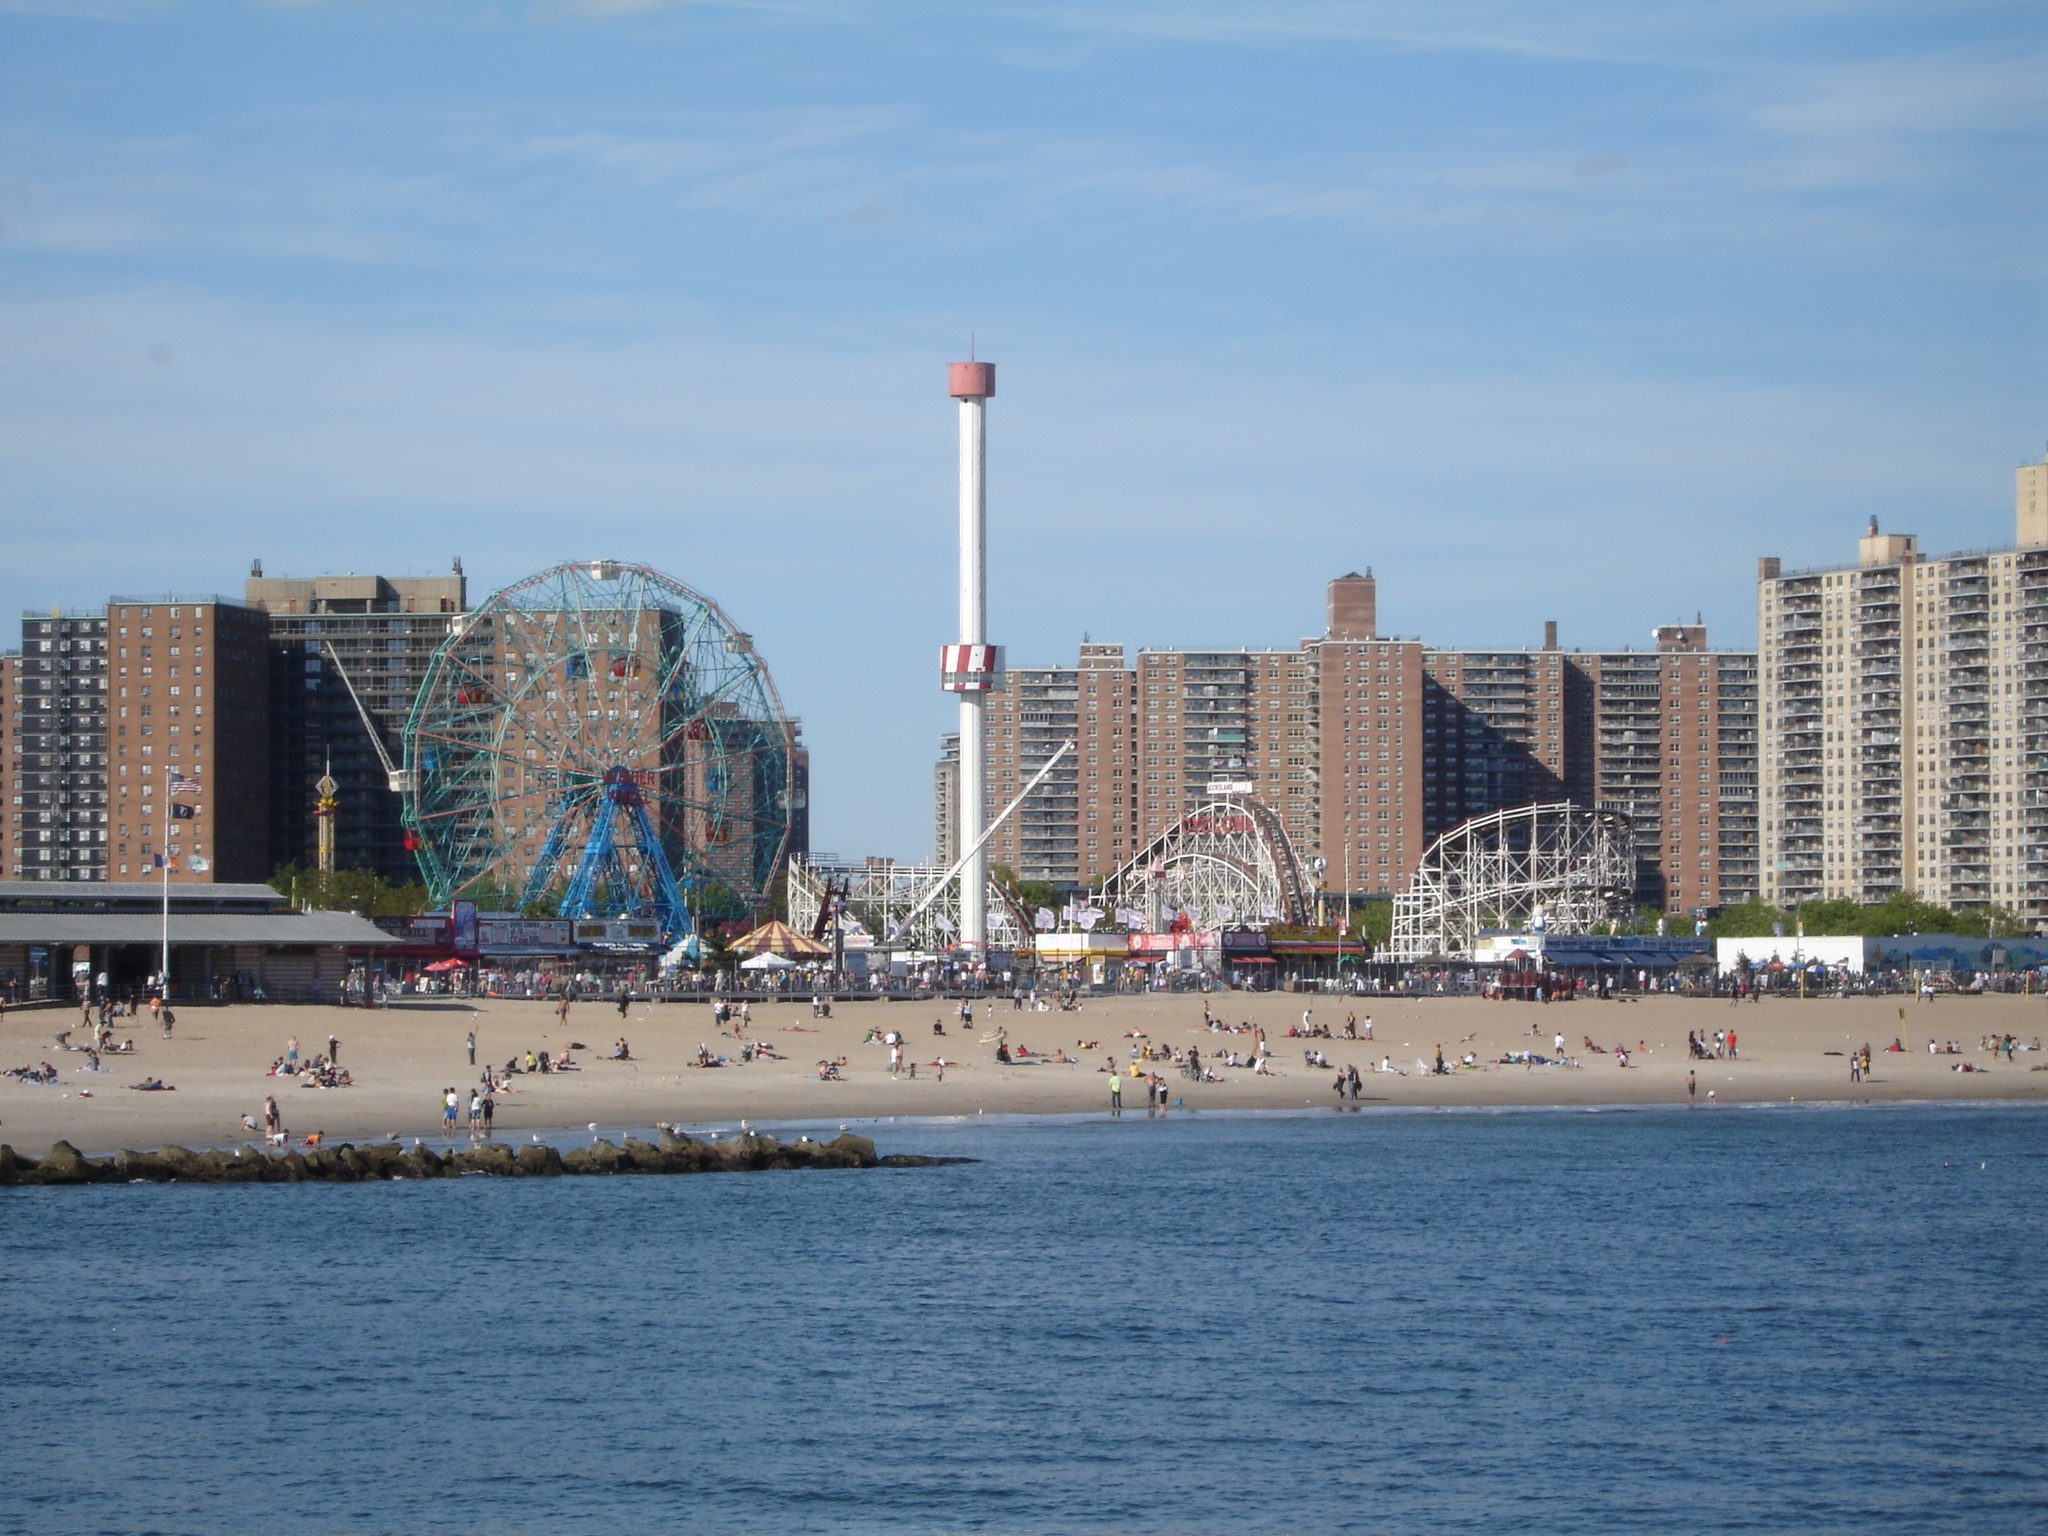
<point x="1541" y="310"/>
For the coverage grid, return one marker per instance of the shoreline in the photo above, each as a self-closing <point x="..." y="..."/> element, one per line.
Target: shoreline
<point x="403" y="1058"/>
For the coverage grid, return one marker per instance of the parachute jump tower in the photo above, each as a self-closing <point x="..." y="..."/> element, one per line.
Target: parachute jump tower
<point x="973" y="668"/>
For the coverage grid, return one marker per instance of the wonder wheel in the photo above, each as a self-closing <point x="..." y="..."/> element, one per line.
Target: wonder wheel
<point x="599" y="741"/>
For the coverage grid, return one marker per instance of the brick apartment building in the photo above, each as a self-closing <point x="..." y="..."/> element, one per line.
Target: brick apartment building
<point x="103" y="706"/>
<point x="1370" y="746"/>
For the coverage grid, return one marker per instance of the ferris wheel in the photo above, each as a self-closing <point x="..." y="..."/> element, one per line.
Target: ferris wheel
<point x="599" y="741"/>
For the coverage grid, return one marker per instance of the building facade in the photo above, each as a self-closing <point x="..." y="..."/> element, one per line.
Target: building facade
<point x="57" y="708"/>
<point x="1900" y="715"/>
<point x="1368" y="747"/>
<point x="189" y="696"/>
<point x="379" y="632"/>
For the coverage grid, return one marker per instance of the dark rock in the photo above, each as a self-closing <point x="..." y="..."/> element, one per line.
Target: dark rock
<point x="577" y="1160"/>
<point x="491" y="1157"/>
<point x="65" y="1165"/>
<point x="226" y="1168"/>
<point x="646" y="1157"/>
<point x="10" y="1165"/>
<point x="418" y="1163"/>
<point x="912" y="1160"/>
<point x="185" y="1164"/>
<point x="846" y="1150"/>
<point x="603" y="1157"/>
<point x="686" y="1154"/>
<point x="144" y="1165"/>
<point x="536" y="1161"/>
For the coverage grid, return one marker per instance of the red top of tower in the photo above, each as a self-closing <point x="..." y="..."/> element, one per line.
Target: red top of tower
<point x="971" y="381"/>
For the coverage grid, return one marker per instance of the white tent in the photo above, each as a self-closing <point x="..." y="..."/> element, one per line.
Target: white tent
<point x="767" y="962"/>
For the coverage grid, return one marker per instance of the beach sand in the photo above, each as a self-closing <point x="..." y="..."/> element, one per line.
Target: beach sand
<point x="402" y="1057"/>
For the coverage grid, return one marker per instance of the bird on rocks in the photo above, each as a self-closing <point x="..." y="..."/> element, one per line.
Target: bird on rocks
<point x="592" y="1126"/>
<point x="391" y="1135"/>
<point x="536" y="1138"/>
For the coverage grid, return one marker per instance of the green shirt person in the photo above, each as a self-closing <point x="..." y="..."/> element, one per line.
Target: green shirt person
<point x="1116" y="1091"/>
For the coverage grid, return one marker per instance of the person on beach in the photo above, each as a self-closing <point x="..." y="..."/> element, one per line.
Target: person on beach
<point x="291" y="1055"/>
<point x="470" y="1042"/>
<point x="562" y="1009"/>
<point x="1692" y="1089"/>
<point x="333" y="1051"/>
<point x="490" y="1108"/>
<point x="272" y="1120"/>
<point x="1116" y="1093"/>
<point x="476" y="1111"/>
<point x="449" y="1100"/>
<point x="169" y="1018"/>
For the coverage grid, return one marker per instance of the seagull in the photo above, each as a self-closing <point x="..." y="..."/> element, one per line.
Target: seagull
<point x="842" y="1125"/>
<point x="744" y="1126"/>
<point x="592" y="1126"/>
<point x="391" y="1135"/>
<point x="536" y="1137"/>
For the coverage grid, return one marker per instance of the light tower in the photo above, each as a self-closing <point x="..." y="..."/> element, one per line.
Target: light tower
<point x="973" y="667"/>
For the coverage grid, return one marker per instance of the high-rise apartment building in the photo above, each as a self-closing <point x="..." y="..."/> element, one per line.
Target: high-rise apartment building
<point x="1899" y="711"/>
<point x="382" y="630"/>
<point x="1369" y="747"/>
<point x="188" y="691"/>
<point x="58" y="719"/>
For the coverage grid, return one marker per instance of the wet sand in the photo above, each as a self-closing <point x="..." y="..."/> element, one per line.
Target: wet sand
<point x="402" y="1057"/>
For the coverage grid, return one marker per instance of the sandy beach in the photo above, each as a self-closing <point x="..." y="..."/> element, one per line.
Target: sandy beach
<point x="402" y="1057"/>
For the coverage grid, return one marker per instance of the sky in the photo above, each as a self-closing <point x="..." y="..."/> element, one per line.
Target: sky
<point x="1539" y="310"/>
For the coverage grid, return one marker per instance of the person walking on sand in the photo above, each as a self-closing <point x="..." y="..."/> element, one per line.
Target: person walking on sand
<point x="291" y="1055"/>
<point x="272" y="1120"/>
<point x="1692" y="1090"/>
<point x="333" y="1051"/>
<point x="562" y="1009"/>
<point x="470" y="1042"/>
<point x="1116" y="1093"/>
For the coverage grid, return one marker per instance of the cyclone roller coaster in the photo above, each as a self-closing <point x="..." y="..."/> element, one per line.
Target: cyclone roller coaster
<point x="1559" y="867"/>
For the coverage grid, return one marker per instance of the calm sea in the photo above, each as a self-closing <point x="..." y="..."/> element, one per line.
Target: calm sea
<point x="1741" y="1320"/>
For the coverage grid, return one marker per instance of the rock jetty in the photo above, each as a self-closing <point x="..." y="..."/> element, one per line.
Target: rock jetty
<point x="345" y="1163"/>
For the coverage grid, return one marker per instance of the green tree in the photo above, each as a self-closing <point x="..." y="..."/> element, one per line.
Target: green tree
<point x="349" y="890"/>
<point x="1754" y="918"/>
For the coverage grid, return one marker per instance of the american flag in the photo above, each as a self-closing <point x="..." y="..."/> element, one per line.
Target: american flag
<point x="180" y="785"/>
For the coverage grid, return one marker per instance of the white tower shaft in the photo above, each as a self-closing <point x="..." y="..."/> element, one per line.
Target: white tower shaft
<point x="974" y="705"/>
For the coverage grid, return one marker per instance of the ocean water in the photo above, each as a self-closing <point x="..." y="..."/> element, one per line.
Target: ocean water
<point x="1740" y="1320"/>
